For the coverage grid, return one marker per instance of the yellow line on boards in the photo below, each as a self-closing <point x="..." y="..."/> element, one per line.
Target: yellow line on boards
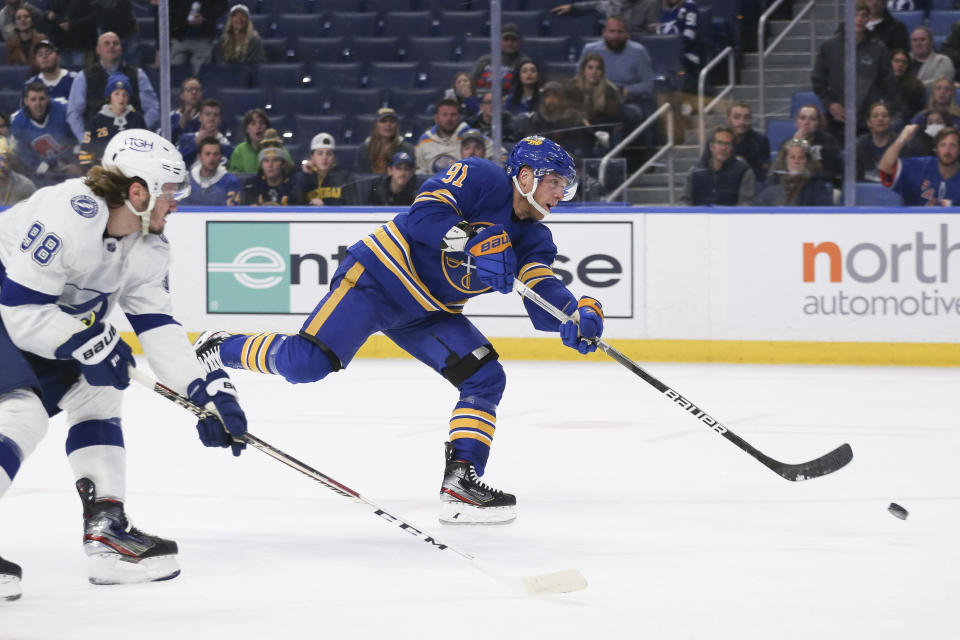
<point x="908" y="354"/>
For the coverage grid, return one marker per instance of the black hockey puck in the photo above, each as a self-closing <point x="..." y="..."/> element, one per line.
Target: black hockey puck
<point x="898" y="511"/>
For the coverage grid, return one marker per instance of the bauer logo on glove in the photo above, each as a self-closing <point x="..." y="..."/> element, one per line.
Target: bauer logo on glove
<point x="495" y="244"/>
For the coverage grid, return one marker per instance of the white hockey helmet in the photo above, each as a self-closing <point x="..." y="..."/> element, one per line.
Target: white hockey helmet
<point x="138" y="153"/>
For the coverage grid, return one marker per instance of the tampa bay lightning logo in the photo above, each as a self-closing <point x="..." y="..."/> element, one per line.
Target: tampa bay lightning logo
<point x="85" y="206"/>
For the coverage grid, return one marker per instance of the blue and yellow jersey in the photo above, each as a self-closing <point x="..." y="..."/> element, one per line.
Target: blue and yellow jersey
<point x="405" y="254"/>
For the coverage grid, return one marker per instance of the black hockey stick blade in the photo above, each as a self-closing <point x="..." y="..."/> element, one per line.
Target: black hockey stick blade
<point x="825" y="464"/>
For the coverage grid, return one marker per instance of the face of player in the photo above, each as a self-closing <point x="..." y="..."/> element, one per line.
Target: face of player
<point x="548" y="193"/>
<point x="272" y="167"/>
<point x="529" y="73"/>
<point x="796" y="160"/>
<point x="210" y="157"/>
<point x="899" y="63"/>
<point x="256" y="129"/>
<point x="615" y="35"/>
<point x="948" y="150"/>
<point x="119" y="99"/>
<point x="472" y="149"/>
<point x="740" y="120"/>
<point x="191" y="94"/>
<point x="47" y="59"/>
<point x="109" y="49"/>
<point x="387" y="128"/>
<point x="879" y="120"/>
<point x="920" y="44"/>
<point x="322" y="159"/>
<point x="807" y="121"/>
<point x="721" y="147"/>
<point x="163" y="206"/>
<point x="446" y="119"/>
<point x="400" y="175"/>
<point x="37" y="102"/>
<point x="593" y="72"/>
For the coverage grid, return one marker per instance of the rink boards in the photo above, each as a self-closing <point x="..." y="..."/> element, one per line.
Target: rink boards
<point x="847" y="286"/>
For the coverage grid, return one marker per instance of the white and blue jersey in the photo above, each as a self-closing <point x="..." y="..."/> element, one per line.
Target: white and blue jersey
<point x="59" y="89"/>
<point x="683" y="19"/>
<point x="919" y="182"/>
<point x="223" y="188"/>
<point x="49" y="140"/>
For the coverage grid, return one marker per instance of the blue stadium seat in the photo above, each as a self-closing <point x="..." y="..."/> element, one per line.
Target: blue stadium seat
<point x="942" y="21"/>
<point x="356" y="100"/>
<point x="362" y="126"/>
<point x="408" y="23"/>
<point x="307" y="125"/>
<point x="264" y="24"/>
<point x="877" y="195"/>
<point x="429" y="49"/>
<point x="583" y="24"/>
<point x="666" y="52"/>
<point x="9" y="100"/>
<point x="542" y="50"/>
<point x="225" y="74"/>
<point x="779" y="131"/>
<point x="530" y="22"/>
<point x="237" y="101"/>
<point x="351" y="23"/>
<point x="440" y="73"/>
<point x="463" y="23"/>
<point x="409" y="102"/>
<point x="911" y="19"/>
<point x="372" y="49"/>
<point x="320" y="49"/>
<point x="143" y="10"/>
<point x="444" y="5"/>
<point x="383" y="6"/>
<point x="347" y="154"/>
<point x="13" y="77"/>
<point x="295" y="101"/>
<point x="282" y="7"/>
<point x="476" y="46"/>
<point x="280" y="75"/>
<point x="148" y="27"/>
<point x="800" y="98"/>
<point x="421" y="123"/>
<point x="300" y="25"/>
<point x="178" y="73"/>
<point x="560" y="71"/>
<point x="326" y="75"/>
<point x="276" y="49"/>
<point x="324" y="6"/>
<point x="942" y="5"/>
<point x="393" y="74"/>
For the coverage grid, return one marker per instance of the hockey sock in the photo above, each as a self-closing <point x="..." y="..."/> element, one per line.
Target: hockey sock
<point x="252" y="352"/>
<point x="471" y="432"/>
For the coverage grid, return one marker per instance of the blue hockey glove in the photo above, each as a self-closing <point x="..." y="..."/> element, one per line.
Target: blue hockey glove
<point x="586" y="325"/>
<point x="492" y="254"/>
<point x="104" y="357"/>
<point x="218" y="394"/>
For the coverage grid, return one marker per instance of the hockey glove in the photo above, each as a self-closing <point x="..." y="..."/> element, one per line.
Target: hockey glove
<point x="218" y="394"/>
<point x="104" y="357"/>
<point x="587" y="325"/>
<point x="492" y="254"/>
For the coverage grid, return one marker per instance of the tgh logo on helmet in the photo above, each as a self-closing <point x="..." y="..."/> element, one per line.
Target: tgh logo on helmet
<point x="139" y="144"/>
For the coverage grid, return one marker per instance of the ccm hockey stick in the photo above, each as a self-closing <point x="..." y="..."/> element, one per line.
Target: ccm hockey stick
<point x="542" y="584"/>
<point x="828" y="463"/>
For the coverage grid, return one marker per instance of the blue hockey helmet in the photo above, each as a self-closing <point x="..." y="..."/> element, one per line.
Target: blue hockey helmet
<point x="543" y="156"/>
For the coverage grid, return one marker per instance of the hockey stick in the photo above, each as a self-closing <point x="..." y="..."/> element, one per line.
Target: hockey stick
<point x="559" y="582"/>
<point x="828" y="463"/>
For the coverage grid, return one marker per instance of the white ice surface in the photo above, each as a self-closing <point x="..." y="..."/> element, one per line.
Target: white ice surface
<point x="679" y="533"/>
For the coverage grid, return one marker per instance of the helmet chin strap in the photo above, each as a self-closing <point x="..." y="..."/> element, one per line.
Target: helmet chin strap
<point x="144" y="215"/>
<point x="529" y="196"/>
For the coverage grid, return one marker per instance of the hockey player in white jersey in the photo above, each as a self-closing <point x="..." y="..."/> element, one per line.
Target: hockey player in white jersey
<point x="69" y="255"/>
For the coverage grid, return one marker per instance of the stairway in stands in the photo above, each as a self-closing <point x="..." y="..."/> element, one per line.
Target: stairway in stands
<point x="788" y="69"/>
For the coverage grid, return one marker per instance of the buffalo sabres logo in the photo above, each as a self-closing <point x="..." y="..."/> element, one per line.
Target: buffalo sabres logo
<point x="84" y="205"/>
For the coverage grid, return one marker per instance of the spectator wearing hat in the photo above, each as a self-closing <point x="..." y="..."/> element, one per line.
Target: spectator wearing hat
<point x="193" y="29"/>
<point x="473" y="144"/>
<point x="211" y="185"/>
<point x="397" y="188"/>
<point x="439" y="146"/>
<point x="323" y="181"/>
<point x="210" y="120"/>
<point x="14" y="186"/>
<point x="274" y="183"/>
<point x="116" y="115"/>
<point x="240" y="42"/>
<point x="245" y="158"/>
<point x="46" y="60"/>
<point x="510" y="57"/>
<point x="20" y="48"/>
<point x="86" y="94"/>
<point x="44" y="140"/>
<point x="382" y="144"/>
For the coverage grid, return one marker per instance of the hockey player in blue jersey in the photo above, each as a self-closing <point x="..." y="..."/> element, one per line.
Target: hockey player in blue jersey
<point x="471" y="230"/>
<point x="69" y="255"/>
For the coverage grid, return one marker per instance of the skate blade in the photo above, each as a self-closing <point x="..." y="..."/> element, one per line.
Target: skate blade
<point x="110" y="568"/>
<point x="9" y="588"/>
<point x="463" y="513"/>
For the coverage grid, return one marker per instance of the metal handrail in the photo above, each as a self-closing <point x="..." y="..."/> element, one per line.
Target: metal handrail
<point x="764" y="52"/>
<point x="728" y="53"/>
<point x="668" y="148"/>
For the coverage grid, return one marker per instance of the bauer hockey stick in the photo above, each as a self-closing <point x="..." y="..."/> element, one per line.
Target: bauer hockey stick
<point x="546" y="583"/>
<point x="828" y="463"/>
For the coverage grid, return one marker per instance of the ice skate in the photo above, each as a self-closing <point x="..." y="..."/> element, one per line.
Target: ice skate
<point x="464" y="499"/>
<point x="10" y="575"/>
<point x="118" y="552"/>
<point x="207" y="348"/>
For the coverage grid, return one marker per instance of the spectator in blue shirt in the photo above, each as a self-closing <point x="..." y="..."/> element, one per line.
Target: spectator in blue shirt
<point x="210" y="120"/>
<point x="210" y="182"/>
<point x="58" y="81"/>
<point x="927" y="181"/>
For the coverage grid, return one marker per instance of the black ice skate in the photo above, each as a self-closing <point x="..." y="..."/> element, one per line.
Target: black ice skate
<point x="464" y="499"/>
<point x="207" y="348"/>
<point x="10" y="575"/>
<point x="120" y="553"/>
